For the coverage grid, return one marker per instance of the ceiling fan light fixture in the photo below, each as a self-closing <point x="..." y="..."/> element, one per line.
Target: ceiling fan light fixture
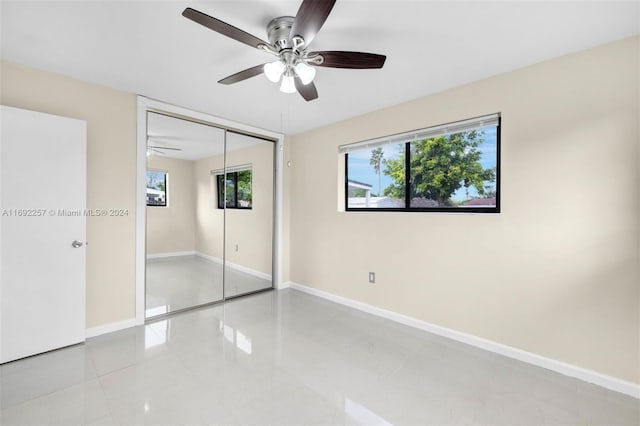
<point x="289" y="38"/>
<point x="273" y="70"/>
<point x="288" y="85"/>
<point x="305" y="72"/>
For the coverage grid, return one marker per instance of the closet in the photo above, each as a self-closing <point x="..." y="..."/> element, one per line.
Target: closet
<point x="209" y="215"/>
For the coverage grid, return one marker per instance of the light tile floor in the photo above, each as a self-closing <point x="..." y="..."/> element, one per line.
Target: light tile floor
<point x="179" y="282"/>
<point x="284" y="357"/>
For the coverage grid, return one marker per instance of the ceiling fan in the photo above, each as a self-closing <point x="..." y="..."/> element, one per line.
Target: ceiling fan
<point x="160" y="149"/>
<point x="289" y="39"/>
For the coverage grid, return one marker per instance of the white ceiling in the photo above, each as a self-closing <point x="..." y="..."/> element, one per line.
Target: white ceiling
<point x="148" y="48"/>
<point x="186" y="140"/>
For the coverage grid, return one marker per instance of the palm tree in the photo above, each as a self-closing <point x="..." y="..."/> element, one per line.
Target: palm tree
<point x="376" y="162"/>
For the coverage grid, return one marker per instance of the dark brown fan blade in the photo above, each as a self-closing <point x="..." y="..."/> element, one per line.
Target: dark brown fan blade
<point x="355" y="60"/>
<point x="308" y="92"/>
<point x="243" y="75"/>
<point x="222" y="27"/>
<point x="310" y="18"/>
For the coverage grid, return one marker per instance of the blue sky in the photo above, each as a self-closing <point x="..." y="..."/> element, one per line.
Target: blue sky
<point x="360" y="170"/>
<point x="153" y="178"/>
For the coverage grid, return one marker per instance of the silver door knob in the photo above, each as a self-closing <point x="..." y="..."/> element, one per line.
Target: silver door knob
<point x="76" y="244"/>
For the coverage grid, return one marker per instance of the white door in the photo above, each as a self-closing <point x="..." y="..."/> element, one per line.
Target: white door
<point x="42" y="208"/>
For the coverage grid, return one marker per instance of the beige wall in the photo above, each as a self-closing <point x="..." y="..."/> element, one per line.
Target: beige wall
<point x="556" y="273"/>
<point x="251" y="230"/>
<point x="173" y="228"/>
<point x="637" y="64"/>
<point x="111" y="177"/>
<point x="286" y="212"/>
<point x="209" y="218"/>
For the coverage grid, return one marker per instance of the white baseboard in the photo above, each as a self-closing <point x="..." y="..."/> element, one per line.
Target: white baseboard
<point x="608" y="382"/>
<point x="171" y="254"/>
<point x="235" y="266"/>
<point x="283" y="285"/>
<point x="109" y="328"/>
<point x="209" y="258"/>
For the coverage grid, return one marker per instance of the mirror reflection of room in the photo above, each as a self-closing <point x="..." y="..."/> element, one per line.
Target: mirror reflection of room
<point x="249" y="214"/>
<point x="193" y="206"/>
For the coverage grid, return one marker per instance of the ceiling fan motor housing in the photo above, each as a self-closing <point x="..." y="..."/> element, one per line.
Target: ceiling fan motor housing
<point x="278" y="32"/>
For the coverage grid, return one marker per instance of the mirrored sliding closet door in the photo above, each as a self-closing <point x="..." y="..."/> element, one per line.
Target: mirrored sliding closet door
<point x="200" y="195"/>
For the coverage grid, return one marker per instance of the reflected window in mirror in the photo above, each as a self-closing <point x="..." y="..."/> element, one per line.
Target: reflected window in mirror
<point x="156" y="188"/>
<point x="238" y="188"/>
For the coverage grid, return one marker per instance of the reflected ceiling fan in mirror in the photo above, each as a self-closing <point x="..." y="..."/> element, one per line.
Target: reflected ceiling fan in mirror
<point x="160" y="150"/>
<point x="289" y="39"/>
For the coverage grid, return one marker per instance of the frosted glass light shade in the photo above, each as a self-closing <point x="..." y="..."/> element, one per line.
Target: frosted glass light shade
<point x="273" y="70"/>
<point x="288" y="85"/>
<point x="305" y="72"/>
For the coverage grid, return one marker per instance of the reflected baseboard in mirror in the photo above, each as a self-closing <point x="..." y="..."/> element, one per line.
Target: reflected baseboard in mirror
<point x="183" y="281"/>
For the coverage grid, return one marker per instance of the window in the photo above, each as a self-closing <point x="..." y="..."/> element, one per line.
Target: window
<point x="156" y="188"/>
<point x="450" y="168"/>
<point x="238" y="188"/>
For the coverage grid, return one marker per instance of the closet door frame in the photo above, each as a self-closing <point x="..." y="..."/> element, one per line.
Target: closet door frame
<point x="145" y="105"/>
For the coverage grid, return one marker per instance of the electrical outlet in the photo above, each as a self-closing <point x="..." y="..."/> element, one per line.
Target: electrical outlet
<point x="372" y="277"/>
<point x="236" y="247"/>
